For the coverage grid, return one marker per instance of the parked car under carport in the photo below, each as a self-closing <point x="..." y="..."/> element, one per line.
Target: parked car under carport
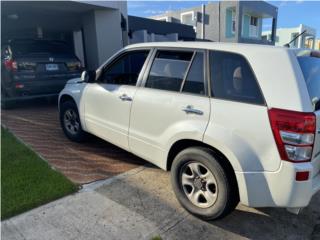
<point x="36" y="68"/>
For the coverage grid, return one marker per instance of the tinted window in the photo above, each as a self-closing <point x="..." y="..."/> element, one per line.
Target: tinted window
<point x="233" y="79"/>
<point x="40" y="46"/>
<point x="126" y="69"/>
<point x="195" y="80"/>
<point x="310" y="67"/>
<point x="168" y="70"/>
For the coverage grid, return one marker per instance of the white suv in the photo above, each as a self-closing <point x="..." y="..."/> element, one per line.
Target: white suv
<point x="231" y="121"/>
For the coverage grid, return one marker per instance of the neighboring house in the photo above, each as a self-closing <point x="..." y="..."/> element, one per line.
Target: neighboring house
<point x="95" y="29"/>
<point x="228" y="21"/>
<point x="317" y="45"/>
<point x="149" y="30"/>
<point x="286" y="35"/>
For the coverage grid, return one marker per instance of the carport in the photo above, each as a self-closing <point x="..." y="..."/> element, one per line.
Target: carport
<point x="85" y="26"/>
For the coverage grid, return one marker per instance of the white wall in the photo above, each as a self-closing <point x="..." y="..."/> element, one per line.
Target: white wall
<point x="102" y="36"/>
<point x="285" y="34"/>
<point x="78" y="46"/>
<point x="143" y="36"/>
<point x="109" y="33"/>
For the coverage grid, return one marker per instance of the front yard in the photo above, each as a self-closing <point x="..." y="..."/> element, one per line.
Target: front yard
<point x="27" y="181"/>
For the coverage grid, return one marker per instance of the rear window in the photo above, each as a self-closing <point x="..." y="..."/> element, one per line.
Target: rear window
<point x="310" y="67"/>
<point x="38" y="47"/>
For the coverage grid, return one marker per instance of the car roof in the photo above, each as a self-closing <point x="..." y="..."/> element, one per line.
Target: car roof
<point x="208" y="45"/>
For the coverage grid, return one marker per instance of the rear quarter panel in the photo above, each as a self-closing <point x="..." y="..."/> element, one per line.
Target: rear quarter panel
<point x="242" y="132"/>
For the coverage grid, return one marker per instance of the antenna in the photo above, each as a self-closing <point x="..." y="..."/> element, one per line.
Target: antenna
<point x="288" y="44"/>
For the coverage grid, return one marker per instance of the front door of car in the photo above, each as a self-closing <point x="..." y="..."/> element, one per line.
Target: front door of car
<point x="108" y="101"/>
<point x="173" y="104"/>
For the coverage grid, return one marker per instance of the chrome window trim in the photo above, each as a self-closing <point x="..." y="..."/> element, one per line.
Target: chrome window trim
<point x="194" y="50"/>
<point x="117" y="56"/>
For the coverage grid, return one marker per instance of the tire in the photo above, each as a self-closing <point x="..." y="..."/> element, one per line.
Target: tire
<point x="70" y="122"/>
<point x="5" y="104"/>
<point x="202" y="185"/>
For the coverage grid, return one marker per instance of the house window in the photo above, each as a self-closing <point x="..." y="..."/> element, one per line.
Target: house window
<point x="165" y="19"/>
<point x="233" y="19"/>
<point x="253" y="27"/>
<point x="187" y="18"/>
<point x="230" y="27"/>
<point x="254" y="21"/>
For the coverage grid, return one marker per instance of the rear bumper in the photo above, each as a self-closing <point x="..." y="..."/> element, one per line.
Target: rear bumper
<point x="27" y="86"/>
<point x="21" y="98"/>
<point x="278" y="189"/>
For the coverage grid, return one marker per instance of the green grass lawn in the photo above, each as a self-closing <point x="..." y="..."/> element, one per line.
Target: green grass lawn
<point x="27" y="181"/>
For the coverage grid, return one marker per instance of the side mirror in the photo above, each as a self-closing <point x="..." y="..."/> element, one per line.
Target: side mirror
<point x="88" y="76"/>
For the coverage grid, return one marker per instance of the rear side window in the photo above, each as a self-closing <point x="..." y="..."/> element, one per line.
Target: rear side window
<point x="310" y="67"/>
<point x="232" y="78"/>
<point x="168" y="70"/>
<point x="194" y="82"/>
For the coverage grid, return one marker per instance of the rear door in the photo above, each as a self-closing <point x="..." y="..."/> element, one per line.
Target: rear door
<point x="108" y="101"/>
<point x="172" y="105"/>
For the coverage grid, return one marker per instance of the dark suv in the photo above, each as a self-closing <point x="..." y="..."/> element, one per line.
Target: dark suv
<point x="36" y="68"/>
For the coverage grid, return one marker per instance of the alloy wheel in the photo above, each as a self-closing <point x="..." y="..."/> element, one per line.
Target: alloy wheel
<point x="71" y="121"/>
<point x="199" y="184"/>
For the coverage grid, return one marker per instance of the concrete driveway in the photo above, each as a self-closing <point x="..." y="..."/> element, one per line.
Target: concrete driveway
<point x="140" y="204"/>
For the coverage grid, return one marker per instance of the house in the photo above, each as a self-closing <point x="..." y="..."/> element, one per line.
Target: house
<point x="286" y="35"/>
<point x="149" y="30"/>
<point x="317" y="45"/>
<point x="84" y="25"/>
<point x="228" y="21"/>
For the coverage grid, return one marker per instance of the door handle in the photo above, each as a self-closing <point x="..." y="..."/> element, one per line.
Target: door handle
<point x="190" y="109"/>
<point x="125" y="97"/>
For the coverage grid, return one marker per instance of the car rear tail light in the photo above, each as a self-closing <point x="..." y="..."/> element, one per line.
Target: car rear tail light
<point x="294" y="134"/>
<point x="11" y="65"/>
<point x="19" y="86"/>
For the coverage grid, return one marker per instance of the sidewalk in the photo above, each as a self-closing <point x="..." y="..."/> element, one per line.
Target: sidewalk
<point x="140" y="204"/>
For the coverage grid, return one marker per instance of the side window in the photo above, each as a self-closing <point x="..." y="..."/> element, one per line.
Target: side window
<point x="194" y="82"/>
<point x="168" y="70"/>
<point x="233" y="79"/>
<point x="126" y="69"/>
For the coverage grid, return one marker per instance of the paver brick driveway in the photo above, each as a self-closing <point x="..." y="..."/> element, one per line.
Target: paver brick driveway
<point x="37" y="124"/>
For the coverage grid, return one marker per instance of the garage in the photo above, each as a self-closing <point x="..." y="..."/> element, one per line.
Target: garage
<point x="84" y="26"/>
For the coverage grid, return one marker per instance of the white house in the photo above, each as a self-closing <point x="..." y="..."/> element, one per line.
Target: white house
<point x="286" y="35"/>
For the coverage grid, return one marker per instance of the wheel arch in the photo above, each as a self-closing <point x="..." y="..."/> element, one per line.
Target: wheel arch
<point x="64" y="98"/>
<point x="182" y="144"/>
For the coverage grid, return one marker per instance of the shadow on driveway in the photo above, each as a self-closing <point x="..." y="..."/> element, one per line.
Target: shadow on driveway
<point x="149" y="194"/>
<point x="37" y="124"/>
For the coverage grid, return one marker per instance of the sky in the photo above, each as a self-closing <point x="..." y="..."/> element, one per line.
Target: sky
<point x="290" y="13"/>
